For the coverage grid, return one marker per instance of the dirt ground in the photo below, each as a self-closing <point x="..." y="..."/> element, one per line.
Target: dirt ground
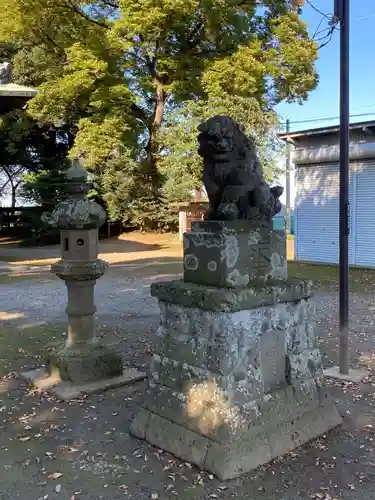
<point x="82" y="449"/>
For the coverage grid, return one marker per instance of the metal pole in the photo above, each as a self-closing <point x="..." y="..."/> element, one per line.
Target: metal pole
<point x="344" y="186"/>
<point x="287" y="181"/>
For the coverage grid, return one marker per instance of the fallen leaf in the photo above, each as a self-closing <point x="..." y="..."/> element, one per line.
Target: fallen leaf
<point x="154" y="496"/>
<point x="55" y="475"/>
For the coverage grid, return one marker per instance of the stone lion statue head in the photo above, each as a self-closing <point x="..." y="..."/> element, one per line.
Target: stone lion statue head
<point x="220" y="139"/>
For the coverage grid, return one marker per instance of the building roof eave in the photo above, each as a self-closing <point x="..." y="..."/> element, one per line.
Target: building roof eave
<point x="300" y="134"/>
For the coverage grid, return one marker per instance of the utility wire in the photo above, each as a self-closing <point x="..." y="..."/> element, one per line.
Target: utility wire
<point x="329" y="38"/>
<point x="327" y="16"/>
<point x="332" y="21"/>
<point x="314" y="120"/>
<point x="316" y="32"/>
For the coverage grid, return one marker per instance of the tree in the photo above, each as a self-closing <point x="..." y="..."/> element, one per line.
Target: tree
<point x="11" y="180"/>
<point x="112" y="70"/>
<point x="30" y="151"/>
<point x="179" y="161"/>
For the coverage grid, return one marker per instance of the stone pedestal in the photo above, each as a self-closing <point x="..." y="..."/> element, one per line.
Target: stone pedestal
<point x="237" y="377"/>
<point x="83" y="364"/>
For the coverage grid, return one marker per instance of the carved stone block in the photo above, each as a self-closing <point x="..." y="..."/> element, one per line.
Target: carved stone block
<point x="233" y="254"/>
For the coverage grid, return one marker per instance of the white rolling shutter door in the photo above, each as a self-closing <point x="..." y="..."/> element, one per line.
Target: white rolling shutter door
<point x="364" y="228"/>
<point x="317" y="213"/>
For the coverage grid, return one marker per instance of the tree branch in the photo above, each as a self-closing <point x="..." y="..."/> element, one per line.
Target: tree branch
<point x="139" y="113"/>
<point x="136" y="57"/>
<point x="110" y="3"/>
<point x="49" y="39"/>
<point x="195" y="31"/>
<point x="78" y="11"/>
<point x="11" y="175"/>
<point x="3" y="187"/>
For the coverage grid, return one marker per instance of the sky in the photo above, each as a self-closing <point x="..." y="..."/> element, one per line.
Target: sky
<point x="324" y="100"/>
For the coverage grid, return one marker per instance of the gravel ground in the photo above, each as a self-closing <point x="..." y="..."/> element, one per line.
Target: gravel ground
<point x="122" y="295"/>
<point x="123" y="291"/>
<point x="46" y="301"/>
<point x="82" y="450"/>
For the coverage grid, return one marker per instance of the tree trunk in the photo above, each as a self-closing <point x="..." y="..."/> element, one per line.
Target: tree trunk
<point x="14" y="200"/>
<point x="152" y="146"/>
<point x="13" y="184"/>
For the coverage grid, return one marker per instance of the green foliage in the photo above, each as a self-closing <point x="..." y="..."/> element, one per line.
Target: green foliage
<point x="33" y="159"/>
<point x="179" y="161"/>
<point x="33" y="151"/>
<point x="46" y="187"/>
<point x="121" y="75"/>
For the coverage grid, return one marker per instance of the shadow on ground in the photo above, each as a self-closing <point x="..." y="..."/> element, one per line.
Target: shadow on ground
<point x="82" y="449"/>
<point x="138" y="243"/>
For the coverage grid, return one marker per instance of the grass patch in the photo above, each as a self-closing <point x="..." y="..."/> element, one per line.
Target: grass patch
<point x="327" y="277"/>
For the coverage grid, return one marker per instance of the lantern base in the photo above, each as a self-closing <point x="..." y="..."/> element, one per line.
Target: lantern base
<point x="84" y="362"/>
<point x="43" y="380"/>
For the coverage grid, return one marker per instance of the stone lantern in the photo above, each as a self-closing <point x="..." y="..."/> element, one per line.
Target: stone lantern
<point x="83" y="364"/>
<point x="12" y="96"/>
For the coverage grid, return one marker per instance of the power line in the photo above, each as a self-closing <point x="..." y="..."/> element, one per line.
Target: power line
<point x="330" y="35"/>
<point x="332" y="21"/>
<point x="316" y="32"/>
<point x="327" y="16"/>
<point x="329" y="118"/>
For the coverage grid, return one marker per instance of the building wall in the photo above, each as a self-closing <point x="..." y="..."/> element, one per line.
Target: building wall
<point x="317" y="213"/>
<point x="319" y="141"/>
